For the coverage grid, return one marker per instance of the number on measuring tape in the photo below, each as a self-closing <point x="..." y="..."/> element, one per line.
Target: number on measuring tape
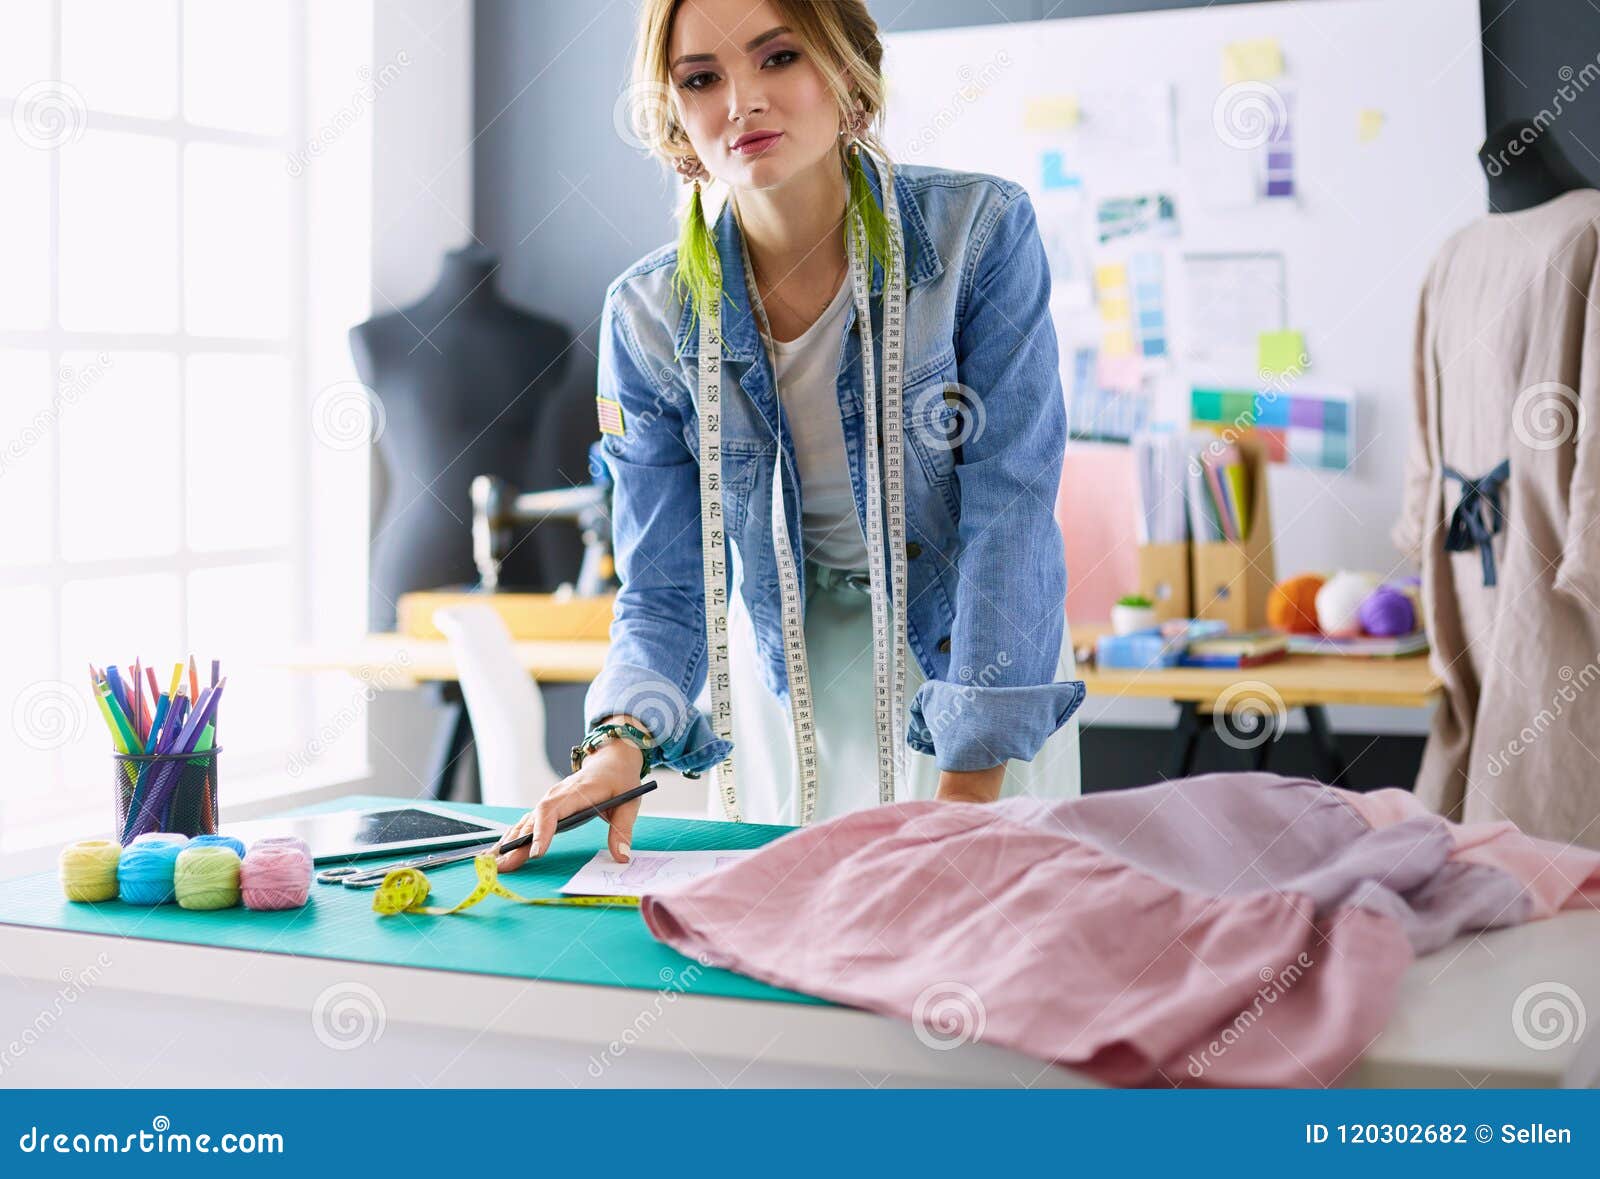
<point x="888" y="601"/>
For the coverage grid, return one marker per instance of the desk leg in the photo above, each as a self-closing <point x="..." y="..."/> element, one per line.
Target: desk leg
<point x="1185" y="740"/>
<point x="1322" y="741"/>
<point x="454" y="735"/>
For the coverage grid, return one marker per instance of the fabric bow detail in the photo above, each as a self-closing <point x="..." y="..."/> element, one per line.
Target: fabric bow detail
<point x="1478" y="515"/>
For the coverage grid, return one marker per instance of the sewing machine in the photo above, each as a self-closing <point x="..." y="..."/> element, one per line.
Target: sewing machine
<point x="501" y="514"/>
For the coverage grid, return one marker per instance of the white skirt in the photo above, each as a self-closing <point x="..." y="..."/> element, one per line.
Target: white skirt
<point x="839" y="653"/>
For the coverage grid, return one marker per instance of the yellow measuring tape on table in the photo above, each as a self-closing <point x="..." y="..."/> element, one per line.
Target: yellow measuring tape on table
<point x="405" y="889"/>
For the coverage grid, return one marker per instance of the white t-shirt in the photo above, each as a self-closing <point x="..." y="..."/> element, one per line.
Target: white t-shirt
<point x="807" y="372"/>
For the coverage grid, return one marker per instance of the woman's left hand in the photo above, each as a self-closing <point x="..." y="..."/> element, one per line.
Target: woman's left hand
<point x="971" y="785"/>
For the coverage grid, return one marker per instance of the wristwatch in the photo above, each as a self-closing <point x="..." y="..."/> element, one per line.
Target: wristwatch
<point x="603" y="732"/>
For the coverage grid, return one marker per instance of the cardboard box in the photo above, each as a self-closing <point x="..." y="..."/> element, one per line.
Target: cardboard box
<point x="1232" y="581"/>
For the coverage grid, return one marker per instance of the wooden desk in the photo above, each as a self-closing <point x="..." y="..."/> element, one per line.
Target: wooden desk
<point x="1250" y="706"/>
<point x="389" y="660"/>
<point x="1231" y="696"/>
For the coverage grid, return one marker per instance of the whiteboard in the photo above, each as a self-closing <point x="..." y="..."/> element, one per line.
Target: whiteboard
<point x="1367" y="214"/>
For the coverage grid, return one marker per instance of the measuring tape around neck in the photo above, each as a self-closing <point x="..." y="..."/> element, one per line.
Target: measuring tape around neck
<point x="888" y="610"/>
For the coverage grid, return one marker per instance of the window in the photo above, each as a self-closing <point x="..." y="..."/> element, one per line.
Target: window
<point x="160" y="348"/>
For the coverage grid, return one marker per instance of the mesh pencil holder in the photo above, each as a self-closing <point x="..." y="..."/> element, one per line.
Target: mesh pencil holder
<point x="166" y="792"/>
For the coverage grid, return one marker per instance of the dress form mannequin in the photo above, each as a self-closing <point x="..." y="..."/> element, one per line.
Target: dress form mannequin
<point x="463" y="378"/>
<point x="1525" y="167"/>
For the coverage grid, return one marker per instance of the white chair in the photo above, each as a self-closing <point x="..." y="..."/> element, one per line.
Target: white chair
<point x="504" y="704"/>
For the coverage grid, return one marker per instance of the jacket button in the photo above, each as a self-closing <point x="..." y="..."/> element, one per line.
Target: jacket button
<point x="913" y="550"/>
<point x="944" y="645"/>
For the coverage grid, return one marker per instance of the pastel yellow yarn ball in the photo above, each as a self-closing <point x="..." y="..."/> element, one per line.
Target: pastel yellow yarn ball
<point x="89" y="869"/>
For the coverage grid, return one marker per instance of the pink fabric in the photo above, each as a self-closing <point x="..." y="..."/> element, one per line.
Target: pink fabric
<point x="1228" y="929"/>
<point x="1556" y="876"/>
<point x="1145" y="983"/>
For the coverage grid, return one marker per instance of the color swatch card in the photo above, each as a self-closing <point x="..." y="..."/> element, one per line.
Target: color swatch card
<point x="1304" y="429"/>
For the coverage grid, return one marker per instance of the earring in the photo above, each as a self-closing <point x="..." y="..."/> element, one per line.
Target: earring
<point x="691" y="169"/>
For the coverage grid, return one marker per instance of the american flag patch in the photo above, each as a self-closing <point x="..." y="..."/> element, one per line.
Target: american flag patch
<point x="610" y="416"/>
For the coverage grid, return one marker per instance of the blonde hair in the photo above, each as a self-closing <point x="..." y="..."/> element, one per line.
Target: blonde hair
<point x="845" y="46"/>
<point x="841" y="34"/>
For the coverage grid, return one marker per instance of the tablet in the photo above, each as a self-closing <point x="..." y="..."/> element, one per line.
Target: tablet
<point x="356" y="834"/>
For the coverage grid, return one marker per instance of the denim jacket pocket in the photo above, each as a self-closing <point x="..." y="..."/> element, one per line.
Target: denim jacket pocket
<point x="932" y="427"/>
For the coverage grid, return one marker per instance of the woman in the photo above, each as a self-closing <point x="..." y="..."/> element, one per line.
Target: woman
<point x="733" y="407"/>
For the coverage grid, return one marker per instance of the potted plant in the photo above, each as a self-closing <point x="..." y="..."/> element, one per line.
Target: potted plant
<point x="1133" y="612"/>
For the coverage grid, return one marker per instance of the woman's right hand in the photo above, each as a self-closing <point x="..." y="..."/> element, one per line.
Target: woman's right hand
<point x="612" y="768"/>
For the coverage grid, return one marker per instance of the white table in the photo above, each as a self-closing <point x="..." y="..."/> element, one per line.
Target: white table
<point x="148" y="1014"/>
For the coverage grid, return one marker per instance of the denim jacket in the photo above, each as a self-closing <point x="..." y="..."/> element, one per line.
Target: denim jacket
<point x="985" y="429"/>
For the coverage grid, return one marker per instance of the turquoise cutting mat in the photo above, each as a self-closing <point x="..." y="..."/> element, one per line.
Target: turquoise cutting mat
<point x="605" y="947"/>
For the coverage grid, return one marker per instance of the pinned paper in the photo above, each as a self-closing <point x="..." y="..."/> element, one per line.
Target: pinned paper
<point x="1056" y="112"/>
<point x="1368" y="124"/>
<point x="1259" y="60"/>
<point x="1281" y="353"/>
<point x="1053" y="172"/>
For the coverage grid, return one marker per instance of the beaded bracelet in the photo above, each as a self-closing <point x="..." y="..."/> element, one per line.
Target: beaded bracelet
<point x="599" y="733"/>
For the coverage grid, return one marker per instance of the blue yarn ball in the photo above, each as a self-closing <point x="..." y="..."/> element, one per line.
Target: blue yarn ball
<point x="144" y="873"/>
<point x="219" y="841"/>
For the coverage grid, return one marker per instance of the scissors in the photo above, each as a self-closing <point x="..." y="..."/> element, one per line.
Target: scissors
<point x="366" y="876"/>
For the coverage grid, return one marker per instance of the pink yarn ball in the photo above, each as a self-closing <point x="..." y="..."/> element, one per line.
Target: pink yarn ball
<point x="1387" y="612"/>
<point x="275" y="876"/>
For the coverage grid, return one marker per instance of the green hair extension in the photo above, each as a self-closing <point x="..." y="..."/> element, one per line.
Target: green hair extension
<point x="873" y="217"/>
<point x="698" y="276"/>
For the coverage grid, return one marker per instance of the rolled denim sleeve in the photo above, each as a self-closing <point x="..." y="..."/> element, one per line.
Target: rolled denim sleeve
<point x="656" y="664"/>
<point x="1001" y="699"/>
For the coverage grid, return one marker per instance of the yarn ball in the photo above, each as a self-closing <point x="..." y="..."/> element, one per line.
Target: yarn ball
<point x="275" y="876"/>
<point x="176" y="838"/>
<point x="1292" y="605"/>
<point x="207" y="878"/>
<point x="144" y="874"/>
<point x="1388" y="611"/>
<point x="1339" y="603"/>
<point x="282" y="841"/>
<point x="89" y="869"/>
<point x="219" y="841"/>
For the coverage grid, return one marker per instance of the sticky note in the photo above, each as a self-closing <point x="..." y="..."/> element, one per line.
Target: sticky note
<point x="1118" y="343"/>
<point x="1281" y="352"/>
<point x="1055" y="112"/>
<point x="1368" y="124"/>
<point x="1053" y="172"/>
<point x="1111" y="274"/>
<point x="1259" y="60"/>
